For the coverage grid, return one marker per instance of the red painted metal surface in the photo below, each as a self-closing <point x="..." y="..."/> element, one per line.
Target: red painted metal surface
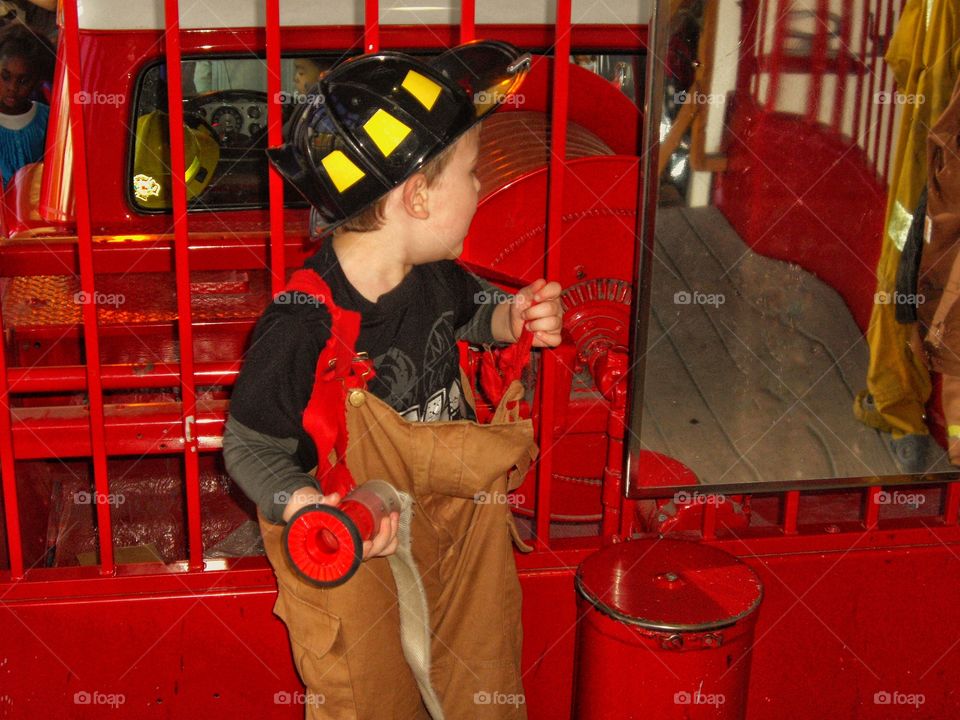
<point x="188" y="392"/>
<point x="275" y="138"/>
<point x="665" y="631"/>
<point x="11" y="505"/>
<point x="91" y="342"/>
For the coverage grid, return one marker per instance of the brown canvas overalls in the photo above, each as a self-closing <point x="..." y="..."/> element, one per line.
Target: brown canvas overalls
<point x="452" y="585"/>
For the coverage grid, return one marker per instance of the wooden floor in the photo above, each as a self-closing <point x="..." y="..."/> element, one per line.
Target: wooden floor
<point x="752" y="363"/>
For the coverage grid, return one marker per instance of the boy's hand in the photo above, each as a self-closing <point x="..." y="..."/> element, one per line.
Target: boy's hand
<point x="545" y="319"/>
<point x="308" y="496"/>
<point x="385" y="541"/>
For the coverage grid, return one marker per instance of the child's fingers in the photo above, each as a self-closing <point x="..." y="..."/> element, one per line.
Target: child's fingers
<point x="545" y="339"/>
<point x="549" y="308"/>
<point x="549" y="324"/>
<point x="331" y="499"/>
<point x="385" y="541"/>
<point x="546" y="290"/>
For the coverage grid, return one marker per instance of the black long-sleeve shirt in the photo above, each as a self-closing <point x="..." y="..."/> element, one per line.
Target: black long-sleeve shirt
<point x="410" y="333"/>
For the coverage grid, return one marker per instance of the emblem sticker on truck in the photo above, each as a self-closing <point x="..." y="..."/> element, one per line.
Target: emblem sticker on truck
<point x="145" y="187"/>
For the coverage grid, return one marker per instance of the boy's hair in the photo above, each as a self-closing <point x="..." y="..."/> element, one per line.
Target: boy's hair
<point x="371" y="218"/>
<point x="16" y="40"/>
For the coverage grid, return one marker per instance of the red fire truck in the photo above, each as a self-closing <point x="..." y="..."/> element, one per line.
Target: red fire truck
<point x="713" y="534"/>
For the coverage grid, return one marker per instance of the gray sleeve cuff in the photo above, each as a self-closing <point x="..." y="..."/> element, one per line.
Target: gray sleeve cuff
<point x="479" y="331"/>
<point x="264" y="467"/>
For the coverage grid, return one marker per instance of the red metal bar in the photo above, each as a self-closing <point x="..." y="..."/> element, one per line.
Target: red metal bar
<point x="881" y="109"/>
<point x="791" y="510"/>
<point x="871" y="510"/>
<point x="72" y="378"/>
<point x="873" y="108"/>
<point x="558" y="151"/>
<point x="8" y="473"/>
<point x="275" y="138"/>
<point x="141" y="429"/>
<point x="468" y="18"/>
<point x="891" y="108"/>
<point x="709" y="525"/>
<point x="91" y="339"/>
<point x="371" y="26"/>
<point x="843" y="67"/>
<point x="188" y="396"/>
<point x="761" y="10"/>
<point x="818" y="61"/>
<point x="776" y="57"/>
<point x="951" y="503"/>
<point x="612" y="491"/>
<point x="862" y="55"/>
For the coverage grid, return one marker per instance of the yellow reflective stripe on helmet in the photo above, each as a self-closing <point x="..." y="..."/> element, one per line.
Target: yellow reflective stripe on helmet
<point x="425" y="90"/>
<point x="386" y="131"/>
<point x="341" y="169"/>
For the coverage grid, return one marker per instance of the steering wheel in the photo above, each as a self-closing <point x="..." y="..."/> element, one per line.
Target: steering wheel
<point x="229" y="98"/>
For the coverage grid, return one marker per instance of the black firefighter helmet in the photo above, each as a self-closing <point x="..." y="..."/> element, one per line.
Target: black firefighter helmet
<point x="374" y="120"/>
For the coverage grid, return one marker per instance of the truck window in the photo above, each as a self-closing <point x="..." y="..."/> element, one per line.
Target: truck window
<point x="225" y="133"/>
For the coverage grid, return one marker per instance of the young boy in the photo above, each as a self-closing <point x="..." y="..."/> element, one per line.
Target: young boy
<point x="430" y="624"/>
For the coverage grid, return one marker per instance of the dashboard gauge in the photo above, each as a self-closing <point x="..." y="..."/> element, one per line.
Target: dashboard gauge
<point x="227" y="120"/>
<point x="253" y="112"/>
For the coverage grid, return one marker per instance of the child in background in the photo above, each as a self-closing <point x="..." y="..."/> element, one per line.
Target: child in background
<point x="23" y="122"/>
<point x="307" y="72"/>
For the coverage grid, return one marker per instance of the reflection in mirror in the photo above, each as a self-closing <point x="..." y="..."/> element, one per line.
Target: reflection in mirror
<point x="783" y="132"/>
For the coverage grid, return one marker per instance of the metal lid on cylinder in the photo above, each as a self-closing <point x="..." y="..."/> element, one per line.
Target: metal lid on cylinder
<point x="669" y="585"/>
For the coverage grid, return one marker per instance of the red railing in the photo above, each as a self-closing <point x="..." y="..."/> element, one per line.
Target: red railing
<point x="865" y="120"/>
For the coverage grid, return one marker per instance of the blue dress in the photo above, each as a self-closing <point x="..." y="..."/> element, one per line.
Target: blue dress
<point x="23" y="146"/>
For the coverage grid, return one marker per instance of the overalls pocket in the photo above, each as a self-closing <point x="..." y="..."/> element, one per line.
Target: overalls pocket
<point x="314" y="635"/>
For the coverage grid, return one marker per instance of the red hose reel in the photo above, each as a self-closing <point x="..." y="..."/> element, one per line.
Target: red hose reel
<point x="324" y="543"/>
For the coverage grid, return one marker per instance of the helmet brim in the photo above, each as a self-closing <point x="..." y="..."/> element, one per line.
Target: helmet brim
<point x="489" y="72"/>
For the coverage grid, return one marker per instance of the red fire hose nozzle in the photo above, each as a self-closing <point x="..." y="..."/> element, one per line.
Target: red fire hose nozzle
<point x="325" y="544"/>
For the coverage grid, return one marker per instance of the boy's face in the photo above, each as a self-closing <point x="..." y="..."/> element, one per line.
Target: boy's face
<point x="305" y="75"/>
<point x="453" y="201"/>
<point x="17" y="81"/>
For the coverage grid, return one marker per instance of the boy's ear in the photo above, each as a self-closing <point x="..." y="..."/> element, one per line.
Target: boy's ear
<point x="414" y="196"/>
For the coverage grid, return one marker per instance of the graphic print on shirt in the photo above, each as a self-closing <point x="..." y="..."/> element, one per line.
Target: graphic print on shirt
<point x="397" y="371"/>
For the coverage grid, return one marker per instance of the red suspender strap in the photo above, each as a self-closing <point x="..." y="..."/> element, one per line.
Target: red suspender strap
<point x="325" y="418"/>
